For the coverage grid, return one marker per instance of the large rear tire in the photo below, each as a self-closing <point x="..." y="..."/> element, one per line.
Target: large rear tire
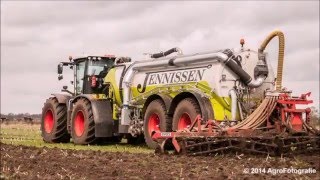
<point x="155" y="120"/>
<point x="185" y="113"/>
<point x="54" y="122"/>
<point x="82" y="123"/>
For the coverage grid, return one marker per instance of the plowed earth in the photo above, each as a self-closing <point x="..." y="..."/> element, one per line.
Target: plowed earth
<point x="22" y="162"/>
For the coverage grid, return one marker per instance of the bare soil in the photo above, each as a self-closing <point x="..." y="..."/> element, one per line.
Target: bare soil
<point x="22" y="162"/>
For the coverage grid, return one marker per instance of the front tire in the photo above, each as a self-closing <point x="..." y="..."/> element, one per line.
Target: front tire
<point x="155" y="120"/>
<point x="54" y="122"/>
<point x="82" y="123"/>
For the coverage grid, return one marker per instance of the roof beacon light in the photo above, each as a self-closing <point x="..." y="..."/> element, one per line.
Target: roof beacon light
<point x="109" y="55"/>
<point x="242" y="42"/>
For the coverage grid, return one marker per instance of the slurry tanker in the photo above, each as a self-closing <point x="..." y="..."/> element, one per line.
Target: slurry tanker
<point x="202" y="103"/>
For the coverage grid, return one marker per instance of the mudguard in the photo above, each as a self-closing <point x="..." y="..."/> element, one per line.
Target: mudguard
<point x="204" y="103"/>
<point x="62" y="98"/>
<point x="206" y="108"/>
<point x="166" y="99"/>
<point x="102" y="115"/>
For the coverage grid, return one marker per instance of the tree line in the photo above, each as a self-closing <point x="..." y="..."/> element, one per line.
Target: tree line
<point x="20" y="116"/>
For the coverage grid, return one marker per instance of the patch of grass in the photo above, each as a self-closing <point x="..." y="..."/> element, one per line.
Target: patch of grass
<point x="30" y="135"/>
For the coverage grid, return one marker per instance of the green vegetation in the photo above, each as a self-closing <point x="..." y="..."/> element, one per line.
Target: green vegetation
<point x="30" y="135"/>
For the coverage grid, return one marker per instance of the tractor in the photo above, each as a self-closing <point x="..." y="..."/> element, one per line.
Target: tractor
<point x="71" y="114"/>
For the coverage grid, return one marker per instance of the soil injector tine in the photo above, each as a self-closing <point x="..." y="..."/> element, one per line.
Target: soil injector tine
<point x="253" y="135"/>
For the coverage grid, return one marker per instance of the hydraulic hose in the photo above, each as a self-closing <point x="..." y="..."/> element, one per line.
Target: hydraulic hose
<point x="280" y="55"/>
<point x="166" y="53"/>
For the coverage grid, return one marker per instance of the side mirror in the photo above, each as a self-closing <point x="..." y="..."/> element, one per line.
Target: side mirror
<point x="60" y="77"/>
<point x="60" y="68"/>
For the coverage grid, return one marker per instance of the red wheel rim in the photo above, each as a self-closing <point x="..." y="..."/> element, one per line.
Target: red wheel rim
<point x="48" y="121"/>
<point x="79" y="123"/>
<point x="184" y="121"/>
<point x="153" y="124"/>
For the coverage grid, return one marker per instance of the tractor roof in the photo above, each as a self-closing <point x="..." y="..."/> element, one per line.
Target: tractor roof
<point x="92" y="57"/>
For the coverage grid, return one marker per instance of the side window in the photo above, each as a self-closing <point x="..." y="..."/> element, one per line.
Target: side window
<point x="80" y="76"/>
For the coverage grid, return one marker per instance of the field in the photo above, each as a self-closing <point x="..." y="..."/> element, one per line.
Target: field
<point x="30" y="135"/>
<point x="25" y="156"/>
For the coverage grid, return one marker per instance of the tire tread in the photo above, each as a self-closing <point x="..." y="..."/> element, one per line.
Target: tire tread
<point x="60" y="133"/>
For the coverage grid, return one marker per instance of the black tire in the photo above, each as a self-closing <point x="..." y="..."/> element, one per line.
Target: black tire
<point x="155" y="110"/>
<point x="187" y="110"/>
<point x="82" y="123"/>
<point x="54" y="122"/>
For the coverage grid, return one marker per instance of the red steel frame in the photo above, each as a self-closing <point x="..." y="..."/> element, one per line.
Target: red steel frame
<point x="290" y="113"/>
<point x="286" y="106"/>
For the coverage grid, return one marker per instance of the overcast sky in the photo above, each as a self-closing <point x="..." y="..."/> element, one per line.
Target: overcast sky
<point x="36" y="36"/>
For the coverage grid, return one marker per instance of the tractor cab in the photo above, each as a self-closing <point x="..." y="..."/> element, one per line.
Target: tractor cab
<point x="89" y="72"/>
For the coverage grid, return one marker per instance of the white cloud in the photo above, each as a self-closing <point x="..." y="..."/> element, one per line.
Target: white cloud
<point x="36" y="36"/>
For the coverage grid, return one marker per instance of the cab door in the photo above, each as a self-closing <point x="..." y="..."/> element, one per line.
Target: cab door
<point x="79" y="77"/>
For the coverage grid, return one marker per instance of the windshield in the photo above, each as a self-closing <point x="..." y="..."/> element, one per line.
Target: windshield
<point x="96" y="67"/>
<point x="86" y="68"/>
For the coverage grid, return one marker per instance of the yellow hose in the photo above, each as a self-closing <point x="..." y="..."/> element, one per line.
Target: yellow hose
<point x="280" y="55"/>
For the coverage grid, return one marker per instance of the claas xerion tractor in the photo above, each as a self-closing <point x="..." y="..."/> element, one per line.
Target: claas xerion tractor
<point x="196" y="104"/>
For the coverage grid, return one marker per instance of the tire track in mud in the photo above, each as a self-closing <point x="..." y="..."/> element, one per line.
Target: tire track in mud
<point x="22" y="162"/>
